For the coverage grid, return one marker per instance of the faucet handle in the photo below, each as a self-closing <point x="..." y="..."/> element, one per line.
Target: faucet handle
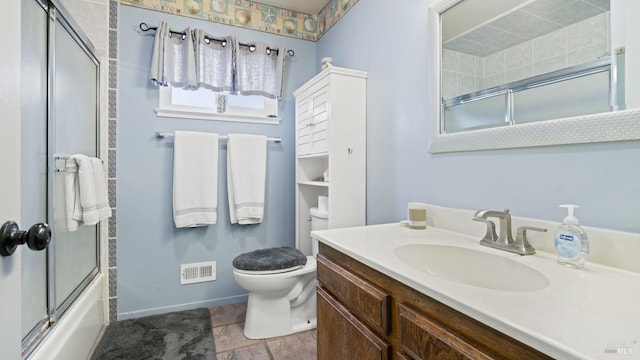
<point x="522" y="231"/>
<point x="490" y="236"/>
<point x="521" y="239"/>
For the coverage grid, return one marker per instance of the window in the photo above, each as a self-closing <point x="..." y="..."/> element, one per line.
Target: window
<point x="209" y="105"/>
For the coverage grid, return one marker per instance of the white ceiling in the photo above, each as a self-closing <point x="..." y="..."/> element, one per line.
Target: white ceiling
<point x="312" y="7"/>
<point x="481" y="35"/>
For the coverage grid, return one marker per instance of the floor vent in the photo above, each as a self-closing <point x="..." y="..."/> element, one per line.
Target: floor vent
<point x="197" y="272"/>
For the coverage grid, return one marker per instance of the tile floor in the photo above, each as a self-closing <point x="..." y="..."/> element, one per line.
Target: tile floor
<point x="231" y="343"/>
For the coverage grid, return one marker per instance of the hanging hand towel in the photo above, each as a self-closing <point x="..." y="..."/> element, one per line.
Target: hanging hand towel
<point x="173" y="59"/>
<point x="195" y="179"/>
<point x="102" y="198"/>
<point x="214" y="62"/>
<point x="85" y="192"/>
<point x="246" y="174"/>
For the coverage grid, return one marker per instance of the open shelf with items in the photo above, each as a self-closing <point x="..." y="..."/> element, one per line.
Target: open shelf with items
<point x="314" y="183"/>
<point x="312" y="169"/>
<point x="331" y="149"/>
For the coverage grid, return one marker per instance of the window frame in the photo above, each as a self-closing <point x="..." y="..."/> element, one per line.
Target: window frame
<point x="166" y="108"/>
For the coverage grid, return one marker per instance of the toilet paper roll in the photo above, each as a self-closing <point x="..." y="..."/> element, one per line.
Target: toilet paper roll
<point x="323" y="203"/>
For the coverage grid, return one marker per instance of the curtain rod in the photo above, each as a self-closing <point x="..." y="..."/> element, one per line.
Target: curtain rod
<point x="164" y="135"/>
<point x="252" y="48"/>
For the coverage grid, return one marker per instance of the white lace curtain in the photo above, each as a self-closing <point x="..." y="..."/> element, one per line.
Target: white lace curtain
<point x="191" y="59"/>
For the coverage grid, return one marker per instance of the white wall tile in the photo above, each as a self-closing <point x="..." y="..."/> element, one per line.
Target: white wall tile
<point x="449" y="84"/>
<point x="479" y="67"/>
<point x="550" y="45"/>
<point x="548" y="65"/>
<point x="466" y="64"/>
<point x="518" y="73"/>
<point x="588" y="32"/>
<point x="518" y="56"/>
<point x="493" y="64"/>
<point x="466" y="84"/>
<point x="586" y="54"/>
<point x="492" y="81"/>
<point x="450" y="60"/>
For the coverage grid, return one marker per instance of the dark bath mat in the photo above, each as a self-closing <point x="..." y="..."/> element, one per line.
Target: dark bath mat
<point x="184" y="335"/>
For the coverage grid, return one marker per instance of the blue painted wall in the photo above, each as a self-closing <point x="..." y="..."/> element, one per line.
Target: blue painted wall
<point x="150" y="248"/>
<point x="390" y="42"/>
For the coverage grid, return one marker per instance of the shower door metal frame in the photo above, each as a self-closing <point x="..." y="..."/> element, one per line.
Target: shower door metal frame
<point x="58" y="14"/>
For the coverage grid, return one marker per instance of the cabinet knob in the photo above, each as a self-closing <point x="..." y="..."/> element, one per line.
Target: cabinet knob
<point x="309" y="219"/>
<point x="349" y="151"/>
<point x="37" y="237"/>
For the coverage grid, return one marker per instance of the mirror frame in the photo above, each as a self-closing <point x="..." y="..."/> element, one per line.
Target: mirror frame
<point x="612" y="126"/>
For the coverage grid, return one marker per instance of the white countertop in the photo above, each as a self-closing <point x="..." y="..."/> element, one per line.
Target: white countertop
<point x="582" y="314"/>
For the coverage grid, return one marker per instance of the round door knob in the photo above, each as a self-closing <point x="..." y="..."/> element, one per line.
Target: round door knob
<point x="37" y="237"/>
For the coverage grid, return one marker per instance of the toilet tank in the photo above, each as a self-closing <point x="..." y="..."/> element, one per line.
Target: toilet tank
<point x="319" y="221"/>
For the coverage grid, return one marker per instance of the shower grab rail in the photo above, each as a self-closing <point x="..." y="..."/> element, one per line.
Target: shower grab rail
<point x="167" y="135"/>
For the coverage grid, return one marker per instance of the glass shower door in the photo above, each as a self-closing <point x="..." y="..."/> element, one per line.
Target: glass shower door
<point x="34" y="315"/>
<point x="75" y="119"/>
<point x="60" y="117"/>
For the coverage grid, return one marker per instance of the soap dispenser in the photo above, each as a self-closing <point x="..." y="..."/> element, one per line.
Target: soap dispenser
<point x="571" y="241"/>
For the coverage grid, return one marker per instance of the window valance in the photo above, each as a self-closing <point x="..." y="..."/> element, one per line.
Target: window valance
<point x="192" y="58"/>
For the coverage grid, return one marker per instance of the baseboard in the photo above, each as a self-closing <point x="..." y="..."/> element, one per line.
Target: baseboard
<point x="182" y="307"/>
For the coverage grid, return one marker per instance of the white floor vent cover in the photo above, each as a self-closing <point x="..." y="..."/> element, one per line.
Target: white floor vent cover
<point x="197" y="272"/>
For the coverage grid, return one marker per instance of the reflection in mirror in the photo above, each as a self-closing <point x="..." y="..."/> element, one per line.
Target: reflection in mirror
<point x="511" y="62"/>
<point x="529" y="77"/>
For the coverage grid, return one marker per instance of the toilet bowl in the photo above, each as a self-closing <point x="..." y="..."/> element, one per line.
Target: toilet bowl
<point x="281" y="302"/>
<point x="282" y="298"/>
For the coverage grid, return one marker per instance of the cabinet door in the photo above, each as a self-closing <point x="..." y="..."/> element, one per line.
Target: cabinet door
<point x="342" y="336"/>
<point x="304" y="124"/>
<point x="320" y="121"/>
<point x="366" y="301"/>
<point x="423" y="338"/>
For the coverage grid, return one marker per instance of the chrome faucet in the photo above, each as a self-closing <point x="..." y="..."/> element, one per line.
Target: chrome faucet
<point x="505" y="241"/>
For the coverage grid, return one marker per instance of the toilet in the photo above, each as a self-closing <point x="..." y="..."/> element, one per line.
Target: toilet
<point x="281" y="283"/>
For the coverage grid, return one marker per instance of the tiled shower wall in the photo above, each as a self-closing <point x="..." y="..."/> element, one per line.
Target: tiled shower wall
<point x="112" y="152"/>
<point x="576" y="44"/>
<point x="98" y="19"/>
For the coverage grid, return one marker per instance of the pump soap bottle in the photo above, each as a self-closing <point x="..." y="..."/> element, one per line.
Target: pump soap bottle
<point x="571" y="241"/>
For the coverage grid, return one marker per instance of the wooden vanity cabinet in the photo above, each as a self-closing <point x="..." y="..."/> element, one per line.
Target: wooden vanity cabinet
<point x="364" y="314"/>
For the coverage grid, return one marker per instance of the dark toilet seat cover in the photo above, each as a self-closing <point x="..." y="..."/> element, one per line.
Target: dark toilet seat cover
<point x="270" y="259"/>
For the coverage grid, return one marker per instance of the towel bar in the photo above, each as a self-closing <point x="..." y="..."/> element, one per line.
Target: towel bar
<point x="61" y="164"/>
<point x="167" y="135"/>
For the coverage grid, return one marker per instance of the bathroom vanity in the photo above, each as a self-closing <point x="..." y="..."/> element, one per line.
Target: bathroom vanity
<point x="376" y="302"/>
<point x="403" y="321"/>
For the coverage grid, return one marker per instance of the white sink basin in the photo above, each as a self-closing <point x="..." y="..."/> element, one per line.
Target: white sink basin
<point x="472" y="267"/>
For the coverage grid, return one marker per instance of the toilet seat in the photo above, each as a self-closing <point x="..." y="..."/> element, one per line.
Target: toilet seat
<point x="270" y="260"/>
<point x="292" y="271"/>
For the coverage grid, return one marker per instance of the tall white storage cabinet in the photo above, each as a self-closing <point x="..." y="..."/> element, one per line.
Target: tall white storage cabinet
<point x="331" y="136"/>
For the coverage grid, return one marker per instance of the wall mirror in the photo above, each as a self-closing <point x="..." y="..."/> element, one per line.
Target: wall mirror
<point x="520" y="73"/>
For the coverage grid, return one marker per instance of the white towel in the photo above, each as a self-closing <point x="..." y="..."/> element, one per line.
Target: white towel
<point x="85" y="192"/>
<point x="195" y="179"/>
<point x="246" y="174"/>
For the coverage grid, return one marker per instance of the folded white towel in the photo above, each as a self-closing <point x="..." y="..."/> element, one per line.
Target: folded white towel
<point x="195" y="179"/>
<point x="246" y="174"/>
<point x="85" y="192"/>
